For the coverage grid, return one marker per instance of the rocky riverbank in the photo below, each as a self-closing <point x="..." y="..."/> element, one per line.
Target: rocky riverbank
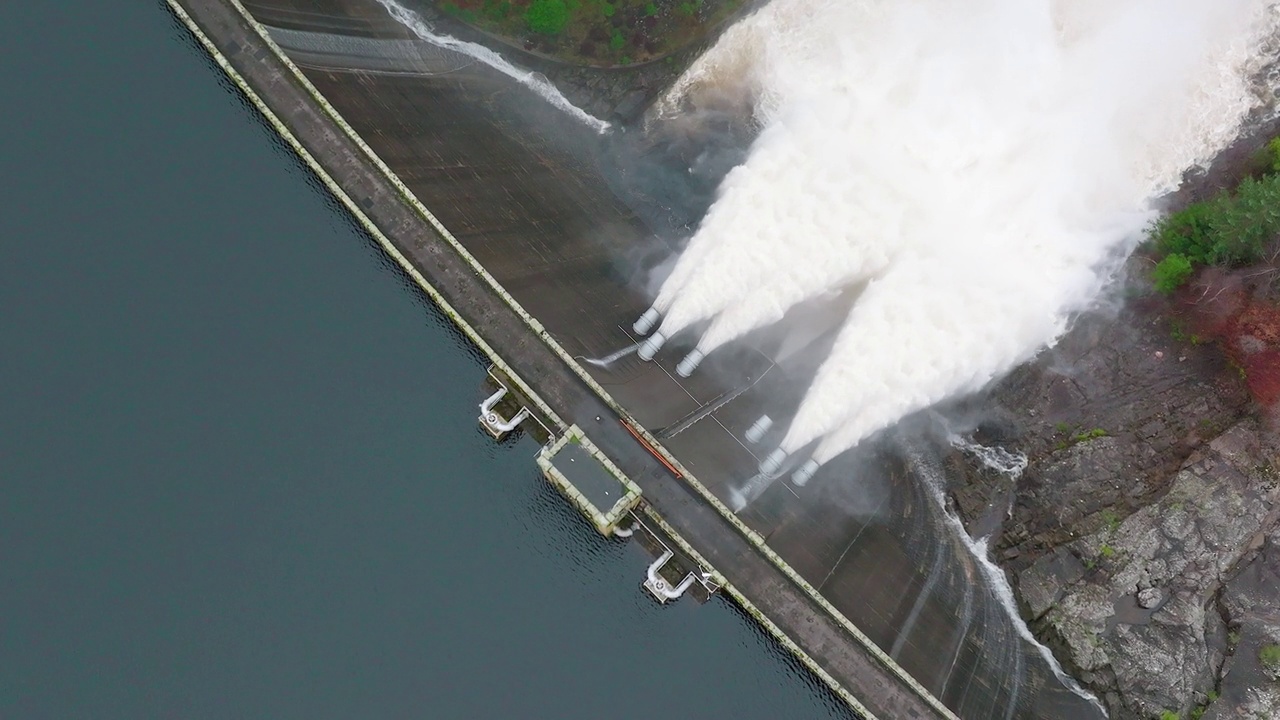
<point x="1142" y="537"/>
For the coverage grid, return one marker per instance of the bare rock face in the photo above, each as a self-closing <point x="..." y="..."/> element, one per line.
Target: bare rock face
<point x="1106" y="419"/>
<point x="1250" y="678"/>
<point x="1140" y="620"/>
<point x="1149" y="487"/>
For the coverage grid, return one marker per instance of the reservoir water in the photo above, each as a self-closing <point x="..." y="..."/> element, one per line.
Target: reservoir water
<point x="240" y="473"/>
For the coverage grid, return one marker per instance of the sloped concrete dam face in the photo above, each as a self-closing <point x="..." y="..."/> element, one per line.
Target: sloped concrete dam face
<point x="541" y="201"/>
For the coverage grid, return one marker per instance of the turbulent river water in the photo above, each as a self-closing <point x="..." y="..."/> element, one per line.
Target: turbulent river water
<point x="240" y="470"/>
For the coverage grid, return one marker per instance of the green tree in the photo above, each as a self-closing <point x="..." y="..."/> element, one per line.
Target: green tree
<point x="1172" y="272"/>
<point x="548" y="17"/>
<point x="1246" y="222"/>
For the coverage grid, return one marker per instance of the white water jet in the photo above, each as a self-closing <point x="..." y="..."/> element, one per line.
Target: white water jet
<point x="532" y="80"/>
<point x="611" y="358"/>
<point x="753" y="242"/>
<point x="753" y="488"/>
<point x="981" y="163"/>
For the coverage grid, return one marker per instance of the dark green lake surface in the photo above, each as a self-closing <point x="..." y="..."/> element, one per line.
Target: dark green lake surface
<point x="240" y="472"/>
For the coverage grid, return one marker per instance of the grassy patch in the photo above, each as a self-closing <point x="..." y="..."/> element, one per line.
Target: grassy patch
<point x="1111" y="520"/>
<point x="1079" y="437"/>
<point x="1269" y="656"/>
<point x="1090" y="435"/>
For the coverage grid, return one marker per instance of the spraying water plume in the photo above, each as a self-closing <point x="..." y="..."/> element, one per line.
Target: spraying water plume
<point x="981" y="165"/>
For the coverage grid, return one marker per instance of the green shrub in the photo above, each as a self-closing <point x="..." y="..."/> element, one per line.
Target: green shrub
<point x="1172" y="272"/>
<point x="616" y="41"/>
<point x="650" y="10"/>
<point x="608" y="9"/>
<point x="1230" y="229"/>
<point x="548" y="17"/>
<point x="1273" y="149"/>
<point x="1187" y="232"/>
<point x="1169" y="715"/>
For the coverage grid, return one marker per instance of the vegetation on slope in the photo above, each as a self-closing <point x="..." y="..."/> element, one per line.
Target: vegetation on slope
<point x="1230" y="229"/>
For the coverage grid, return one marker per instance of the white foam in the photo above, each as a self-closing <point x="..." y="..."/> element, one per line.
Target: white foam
<point x="979" y="162"/>
<point x="993" y="457"/>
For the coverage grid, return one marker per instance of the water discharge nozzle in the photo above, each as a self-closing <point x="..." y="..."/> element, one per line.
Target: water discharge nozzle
<point x="645" y="323"/>
<point x="773" y="463"/>
<point x="651" y="346"/>
<point x="690" y="363"/>
<point x="758" y="429"/>
<point x="806" y="471"/>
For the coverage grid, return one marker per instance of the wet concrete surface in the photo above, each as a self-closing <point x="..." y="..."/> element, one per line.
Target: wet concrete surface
<point x="535" y="197"/>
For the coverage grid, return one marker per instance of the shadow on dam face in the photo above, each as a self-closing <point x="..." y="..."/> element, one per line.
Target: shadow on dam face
<point x="572" y="224"/>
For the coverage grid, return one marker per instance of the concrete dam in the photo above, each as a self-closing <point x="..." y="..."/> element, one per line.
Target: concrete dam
<point x="530" y="230"/>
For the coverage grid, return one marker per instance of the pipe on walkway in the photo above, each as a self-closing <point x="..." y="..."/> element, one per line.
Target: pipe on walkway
<point x="487" y="405"/>
<point x="660" y="586"/>
<point x="511" y="424"/>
